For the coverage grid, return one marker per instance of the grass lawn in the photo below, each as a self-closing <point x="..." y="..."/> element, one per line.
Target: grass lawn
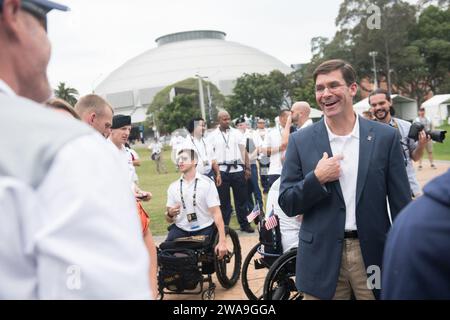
<point x="441" y="151"/>
<point x="157" y="184"/>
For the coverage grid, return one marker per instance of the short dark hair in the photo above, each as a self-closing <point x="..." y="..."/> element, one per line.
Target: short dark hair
<point x="283" y="111"/>
<point x="191" y="152"/>
<point x="239" y="120"/>
<point x="348" y="73"/>
<point x="380" y="91"/>
<point x="192" y="124"/>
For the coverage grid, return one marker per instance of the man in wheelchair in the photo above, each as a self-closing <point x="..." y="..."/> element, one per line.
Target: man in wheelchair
<point x="193" y="205"/>
<point x="193" y="209"/>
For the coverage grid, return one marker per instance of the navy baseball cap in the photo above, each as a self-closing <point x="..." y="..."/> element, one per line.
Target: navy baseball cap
<point x="40" y="6"/>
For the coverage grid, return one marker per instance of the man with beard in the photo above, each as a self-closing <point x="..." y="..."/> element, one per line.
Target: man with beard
<point x="300" y="112"/>
<point x="381" y="104"/>
<point x="337" y="174"/>
<point x="298" y="119"/>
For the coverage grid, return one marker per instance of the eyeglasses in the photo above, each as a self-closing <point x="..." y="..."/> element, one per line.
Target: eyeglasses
<point x="332" y="87"/>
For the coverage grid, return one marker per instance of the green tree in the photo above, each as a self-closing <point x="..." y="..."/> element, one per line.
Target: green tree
<point x="261" y="95"/>
<point x="162" y="99"/>
<point x="66" y="93"/>
<point x="413" y="54"/>
<point x="431" y="38"/>
<point x="176" y="114"/>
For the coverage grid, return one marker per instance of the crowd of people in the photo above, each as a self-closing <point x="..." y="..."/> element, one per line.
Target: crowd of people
<point x="73" y="225"/>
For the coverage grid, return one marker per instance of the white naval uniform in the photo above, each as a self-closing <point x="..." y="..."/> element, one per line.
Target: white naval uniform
<point x="226" y="146"/>
<point x="69" y="226"/>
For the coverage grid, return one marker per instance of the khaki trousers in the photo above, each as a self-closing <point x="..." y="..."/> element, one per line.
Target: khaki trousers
<point x="352" y="275"/>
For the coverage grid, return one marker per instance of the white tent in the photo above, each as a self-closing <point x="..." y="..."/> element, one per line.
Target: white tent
<point x="438" y="109"/>
<point x="315" y="113"/>
<point x="405" y="108"/>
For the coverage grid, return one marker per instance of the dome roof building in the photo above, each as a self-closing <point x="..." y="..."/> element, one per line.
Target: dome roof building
<point x="130" y="88"/>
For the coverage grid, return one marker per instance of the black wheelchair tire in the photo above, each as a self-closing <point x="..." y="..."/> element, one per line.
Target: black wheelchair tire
<point x="244" y="276"/>
<point x="221" y="265"/>
<point x="277" y="267"/>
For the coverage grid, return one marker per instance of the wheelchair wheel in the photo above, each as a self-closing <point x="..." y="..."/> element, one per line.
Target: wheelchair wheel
<point x="254" y="272"/>
<point x="209" y="294"/>
<point x="280" y="280"/>
<point x="228" y="269"/>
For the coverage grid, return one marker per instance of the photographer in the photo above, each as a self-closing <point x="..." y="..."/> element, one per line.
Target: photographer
<point x="380" y="101"/>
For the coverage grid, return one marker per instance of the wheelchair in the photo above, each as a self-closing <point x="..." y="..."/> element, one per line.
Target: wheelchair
<point x="279" y="283"/>
<point x="259" y="260"/>
<point x="186" y="264"/>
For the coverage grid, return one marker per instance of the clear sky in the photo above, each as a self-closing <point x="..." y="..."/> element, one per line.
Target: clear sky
<point x="97" y="36"/>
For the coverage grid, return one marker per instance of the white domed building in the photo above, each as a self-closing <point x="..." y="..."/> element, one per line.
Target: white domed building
<point x="130" y="88"/>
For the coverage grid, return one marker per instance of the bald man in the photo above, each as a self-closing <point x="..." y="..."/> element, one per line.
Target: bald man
<point x="229" y="151"/>
<point x="298" y="119"/>
<point x="300" y="112"/>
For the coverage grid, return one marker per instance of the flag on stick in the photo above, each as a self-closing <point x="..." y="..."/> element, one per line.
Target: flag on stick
<point x="271" y="221"/>
<point x="255" y="212"/>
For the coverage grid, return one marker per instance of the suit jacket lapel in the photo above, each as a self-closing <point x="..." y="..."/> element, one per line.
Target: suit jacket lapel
<point x="366" y="143"/>
<point x="322" y="143"/>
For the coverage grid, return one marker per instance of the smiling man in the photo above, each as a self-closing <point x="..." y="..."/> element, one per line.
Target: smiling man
<point x="337" y="174"/>
<point x="381" y="104"/>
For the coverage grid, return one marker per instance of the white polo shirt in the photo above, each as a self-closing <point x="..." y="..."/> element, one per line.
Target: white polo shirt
<point x="273" y="140"/>
<point x="226" y="148"/>
<point x="204" y="152"/>
<point x="206" y="198"/>
<point x="348" y="146"/>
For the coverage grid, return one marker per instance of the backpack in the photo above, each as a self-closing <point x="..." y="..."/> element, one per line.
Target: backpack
<point x="179" y="269"/>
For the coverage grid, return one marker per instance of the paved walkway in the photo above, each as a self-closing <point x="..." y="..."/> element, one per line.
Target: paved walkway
<point x="248" y="241"/>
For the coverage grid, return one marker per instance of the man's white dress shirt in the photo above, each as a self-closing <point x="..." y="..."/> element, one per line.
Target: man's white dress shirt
<point x="348" y="147"/>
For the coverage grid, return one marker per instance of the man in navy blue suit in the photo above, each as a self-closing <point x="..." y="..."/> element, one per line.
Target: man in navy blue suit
<point x="416" y="259"/>
<point x="338" y="174"/>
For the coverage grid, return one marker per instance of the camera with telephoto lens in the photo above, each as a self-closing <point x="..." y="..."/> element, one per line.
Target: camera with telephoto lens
<point x="435" y="135"/>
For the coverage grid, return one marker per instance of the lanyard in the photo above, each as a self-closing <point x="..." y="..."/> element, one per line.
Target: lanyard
<point x="194" y="203"/>
<point x="226" y="140"/>
<point x="198" y="151"/>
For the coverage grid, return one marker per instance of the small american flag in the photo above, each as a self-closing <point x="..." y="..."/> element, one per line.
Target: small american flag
<point x="255" y="212"/>
<point x="271" y="221"/>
